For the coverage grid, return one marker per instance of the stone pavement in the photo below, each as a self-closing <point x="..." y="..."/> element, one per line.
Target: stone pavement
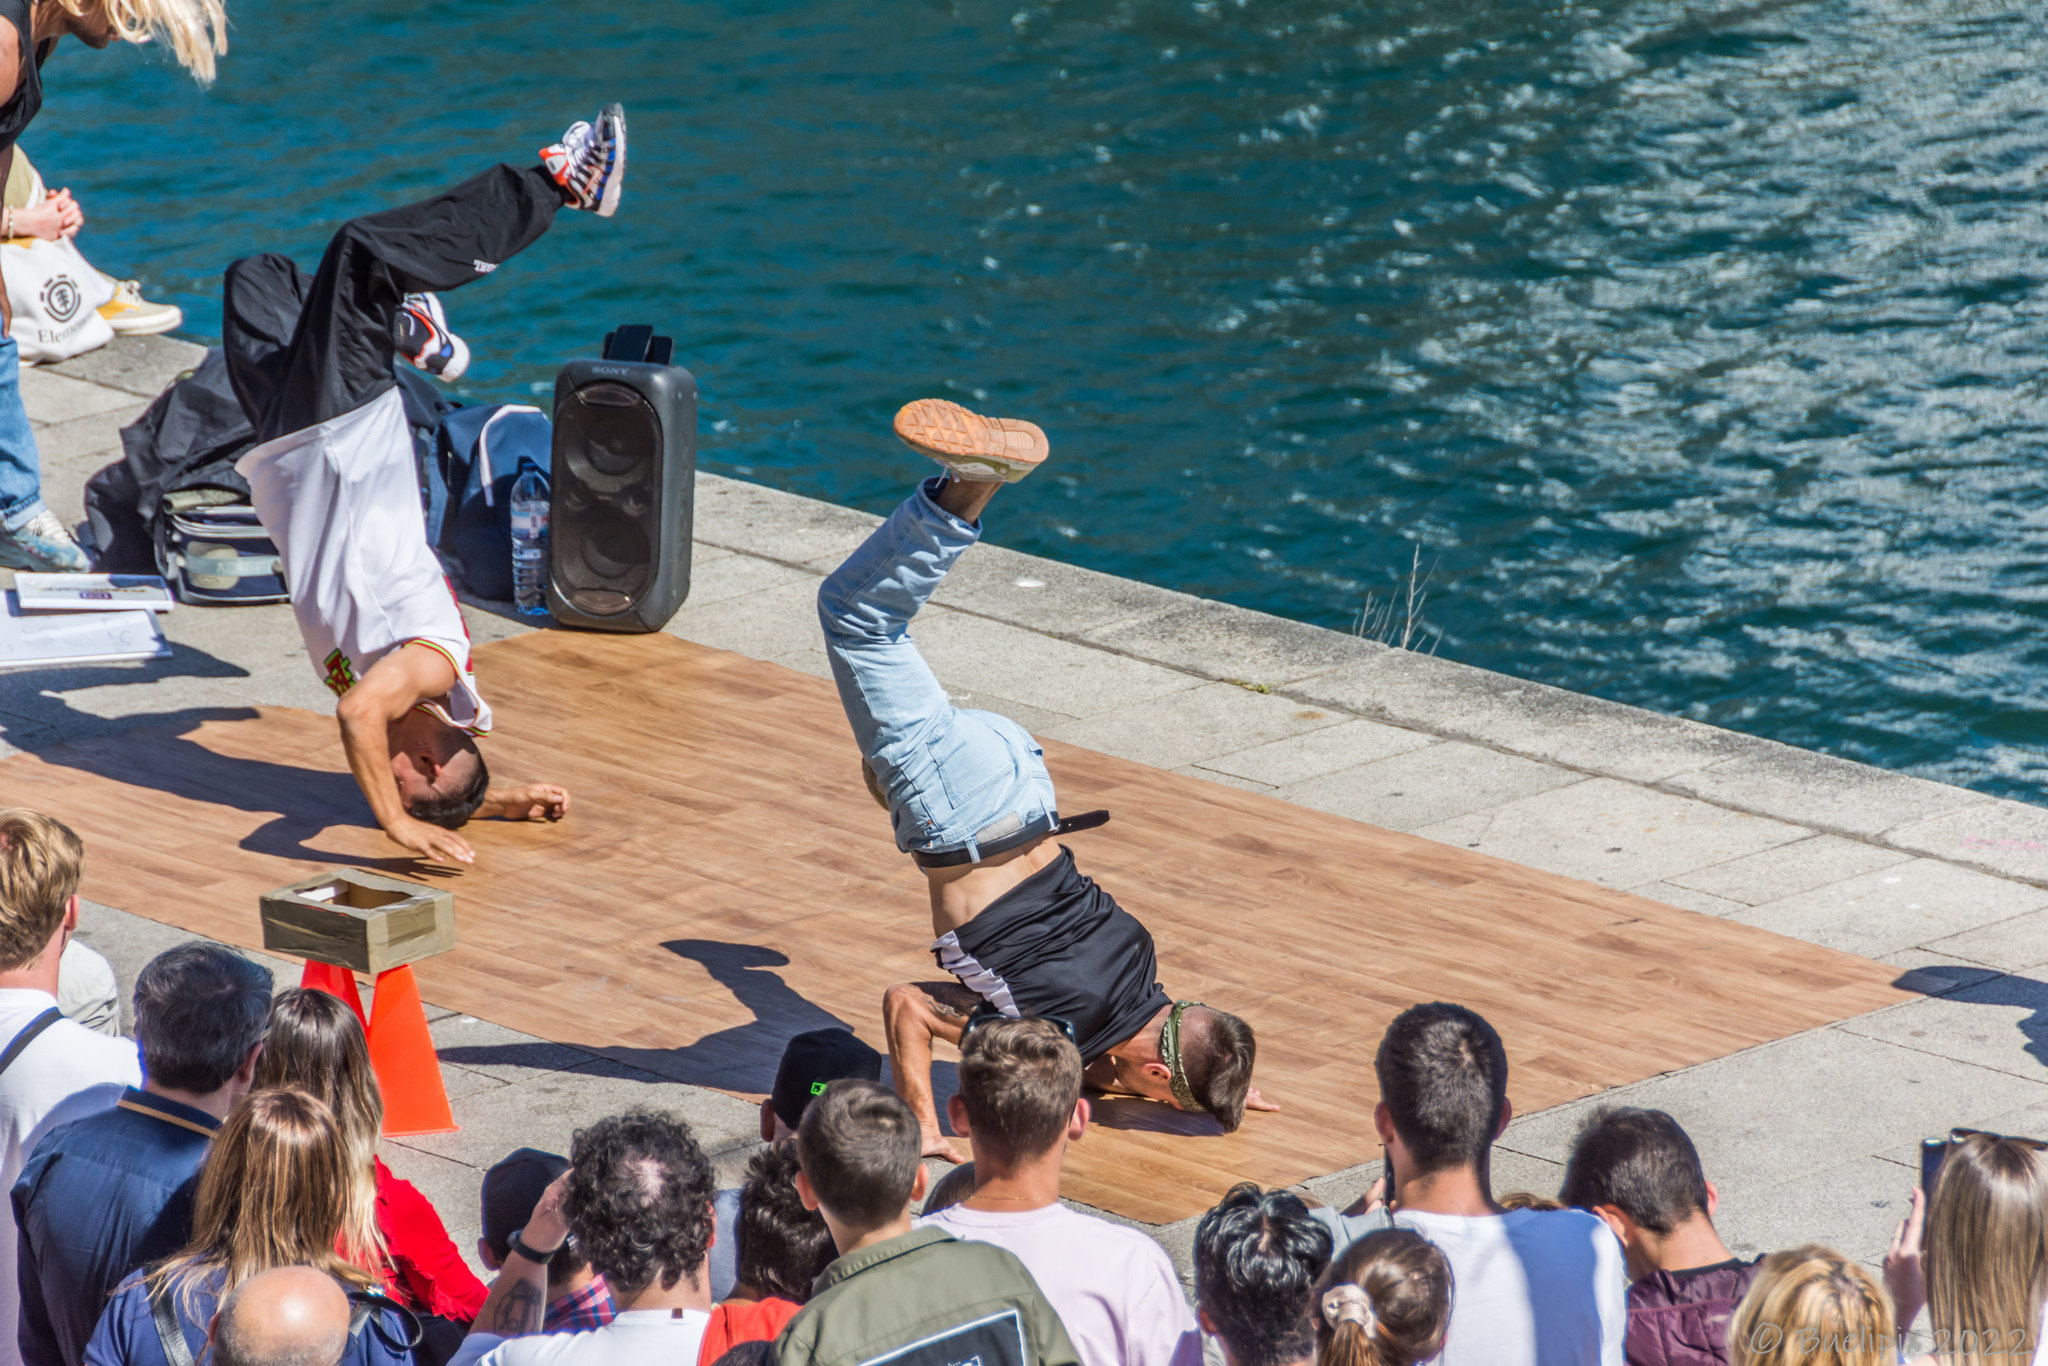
<point x="1810" y="1138"/>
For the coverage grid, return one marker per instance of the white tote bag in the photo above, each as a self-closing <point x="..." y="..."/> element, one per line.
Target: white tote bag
<point x="56" y="296"/>
<point x="55" y="293"/>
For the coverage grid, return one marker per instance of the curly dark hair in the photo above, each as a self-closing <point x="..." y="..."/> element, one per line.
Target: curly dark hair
<point x="1257" y="1256"/>
<point x="639" y="1200"/>
<point x="783" y="1247"/>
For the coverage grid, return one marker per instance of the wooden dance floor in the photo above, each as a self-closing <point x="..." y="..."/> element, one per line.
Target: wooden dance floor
<point x="724" y="881"/>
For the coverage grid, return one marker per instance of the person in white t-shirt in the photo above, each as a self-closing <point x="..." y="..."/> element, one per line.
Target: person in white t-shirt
<point x="637" y="1199"/>
<point x="1532" y="1287"/>
<point x="62" y="1071"/>
<point x="1019" y="1105"/>
<point x="334" y="480"/>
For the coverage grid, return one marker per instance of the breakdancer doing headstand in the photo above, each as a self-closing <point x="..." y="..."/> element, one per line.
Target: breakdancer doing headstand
<point x="1019" y="926"/>
<point x="334" y="479"/>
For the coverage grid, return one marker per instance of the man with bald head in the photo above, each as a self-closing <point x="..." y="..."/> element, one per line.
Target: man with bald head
<point x="287" y="1316"/>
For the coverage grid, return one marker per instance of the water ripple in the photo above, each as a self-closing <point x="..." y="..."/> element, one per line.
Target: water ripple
<point x="1696" y="345"/>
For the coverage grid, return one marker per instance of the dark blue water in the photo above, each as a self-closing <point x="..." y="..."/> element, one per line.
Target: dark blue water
<point x="1697" y="346"/>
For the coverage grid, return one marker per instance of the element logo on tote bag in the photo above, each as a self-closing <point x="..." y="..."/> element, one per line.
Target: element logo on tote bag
<point x="60" y="298"/>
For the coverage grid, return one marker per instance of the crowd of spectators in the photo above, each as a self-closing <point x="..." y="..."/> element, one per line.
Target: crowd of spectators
<point x="225" y="1203"/>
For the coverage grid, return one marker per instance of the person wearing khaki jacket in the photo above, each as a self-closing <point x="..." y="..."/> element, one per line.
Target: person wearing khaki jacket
<point x="910" y="1297"/>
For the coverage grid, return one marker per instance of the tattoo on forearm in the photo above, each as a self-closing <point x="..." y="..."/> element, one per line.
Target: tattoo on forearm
<point x="518" y="1312"/>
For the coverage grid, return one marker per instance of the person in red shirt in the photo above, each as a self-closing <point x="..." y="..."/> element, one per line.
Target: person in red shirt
<point x="783" y="1249"/>
<point x="315" y="1043"/>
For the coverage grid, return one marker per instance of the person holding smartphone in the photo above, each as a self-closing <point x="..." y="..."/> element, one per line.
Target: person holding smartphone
<point x="1979" y="1241"/>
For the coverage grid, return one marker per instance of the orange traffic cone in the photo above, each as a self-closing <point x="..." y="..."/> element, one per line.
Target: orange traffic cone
<point x="335" y="982"/>
<point x="402" y="1052"/>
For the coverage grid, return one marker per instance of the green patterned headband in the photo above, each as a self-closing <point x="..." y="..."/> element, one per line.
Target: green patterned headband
<point x="1169" y="1044"/>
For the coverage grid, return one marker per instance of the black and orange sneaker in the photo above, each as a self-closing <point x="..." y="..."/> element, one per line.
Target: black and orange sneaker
<point x="420" y="332"/>
<point x="589" y="163"/>
<point x="973" y="448"/>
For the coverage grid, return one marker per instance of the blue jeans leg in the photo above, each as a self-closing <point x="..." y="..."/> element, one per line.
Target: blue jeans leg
<point x="21" y="471"/>
<point x="945" y="772"/>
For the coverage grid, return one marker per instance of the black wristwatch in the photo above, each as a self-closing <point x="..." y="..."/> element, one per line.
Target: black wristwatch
<point x="519" y="1245"/>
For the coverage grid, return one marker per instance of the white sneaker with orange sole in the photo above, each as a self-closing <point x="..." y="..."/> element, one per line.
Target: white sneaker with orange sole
<point x="973" y="448"/>
<point x="131" y="315"/>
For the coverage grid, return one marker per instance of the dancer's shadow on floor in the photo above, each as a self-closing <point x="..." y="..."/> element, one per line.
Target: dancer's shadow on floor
<point x="154" y="750"/>
<point x="1985" y="987"/>
<point x="743" y="1057"/>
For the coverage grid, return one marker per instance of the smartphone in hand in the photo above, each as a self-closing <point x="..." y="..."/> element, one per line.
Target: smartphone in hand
<point x="1933" y="1152"/>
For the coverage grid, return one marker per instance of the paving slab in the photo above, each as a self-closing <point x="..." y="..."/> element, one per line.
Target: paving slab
<point x="1423" y="692"/>
<point x="1425" y="786"/>
<point x="141" y="366"/>
<point x="1859" y="1202"/>
<point x="1686" y="899"/>
<point x="1821" y="791"/>
<point x="975" y="654"/>
<point x="1191" y="726"/>
<point x="2014" y="945"/>
<point x="1907" y="904"/>
<point x="57" y="398"/>
<point x="1036" y="720"/>
<point x="1789" y="869"/>
<point x="2000" y="1024"/>
<point x="1613" y="833"/>
<point x="1044" y="595"/>
<point x="94" y="438"/>
<point x="730" y="576"/>
<point x="1217" y="640"/>
<point x="1801" y="1105"/>
<point x="1329" y="749"/>
<point x="765" y="624"/>
<point x="545" y="1110"/>
<point x="1936" y="974"/>
<point x="764" y="522"/>
<point x="503" y="1054"/>
<point x="2003" y="837"/>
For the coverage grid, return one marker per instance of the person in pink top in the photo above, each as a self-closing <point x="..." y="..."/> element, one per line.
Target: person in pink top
<point x="1019" y="1105"/>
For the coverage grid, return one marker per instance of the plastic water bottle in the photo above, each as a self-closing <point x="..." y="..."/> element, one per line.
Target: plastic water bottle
<point x="530" y="541"/>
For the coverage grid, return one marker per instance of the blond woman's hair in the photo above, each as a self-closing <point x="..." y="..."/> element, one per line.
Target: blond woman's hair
<point x="1813" y="1307"/>
<point x="41" y="861"/>
<point x="274" y="1191"/>
<point x="195" y="30"/>
<point x="315" y="1044"/>
<point x="1985" y="1251"/>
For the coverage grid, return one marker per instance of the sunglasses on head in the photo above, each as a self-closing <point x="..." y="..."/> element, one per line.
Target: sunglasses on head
<point x="1934" y="1151"/>
<point x="983" y="1017"/>
<point x="2037" y="1144"/>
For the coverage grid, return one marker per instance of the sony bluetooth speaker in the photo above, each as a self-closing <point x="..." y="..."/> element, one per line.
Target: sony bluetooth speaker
<point x="624" y="481"/>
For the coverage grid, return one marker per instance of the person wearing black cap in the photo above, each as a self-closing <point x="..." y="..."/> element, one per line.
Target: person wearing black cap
<point x="810" y="1062"/>
<point x="578" y="1298"/>
<point x="1013" y="919"/>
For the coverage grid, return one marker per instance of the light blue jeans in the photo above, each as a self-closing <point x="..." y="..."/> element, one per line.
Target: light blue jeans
<point x="950" y="774"/>
<point x="21" y="472"/>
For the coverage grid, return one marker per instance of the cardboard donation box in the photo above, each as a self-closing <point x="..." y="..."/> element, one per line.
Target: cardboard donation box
<point x="362" y="921"/>
<point x="349" y="921"/>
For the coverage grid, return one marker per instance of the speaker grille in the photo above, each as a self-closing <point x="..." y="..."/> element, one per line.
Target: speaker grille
<point x="607" y="498"/>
